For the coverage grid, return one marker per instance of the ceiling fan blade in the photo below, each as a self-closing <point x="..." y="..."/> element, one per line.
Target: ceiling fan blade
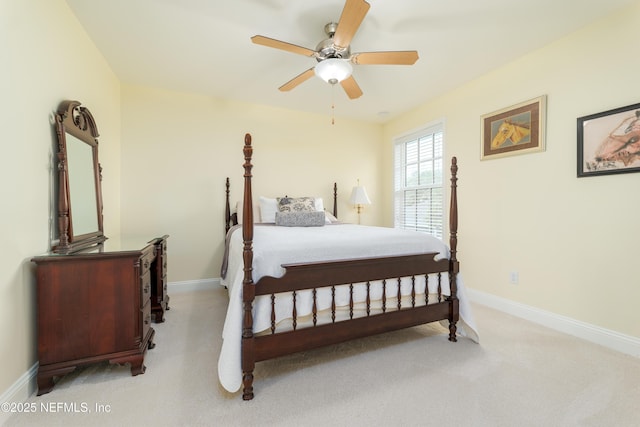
<point x="352" y="15"/>
<point x="351" y="88"/>
<point x="407" y="57"/>
<point x="300" y="78"/>
<point x="277" y="44"/>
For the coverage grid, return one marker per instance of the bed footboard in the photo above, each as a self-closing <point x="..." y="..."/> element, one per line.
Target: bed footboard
<point x="394" y="310"/>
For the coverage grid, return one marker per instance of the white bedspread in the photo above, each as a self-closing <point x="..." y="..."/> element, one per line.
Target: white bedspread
<point x="274" y="246"/>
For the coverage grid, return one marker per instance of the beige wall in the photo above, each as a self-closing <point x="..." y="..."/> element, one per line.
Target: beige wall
<point x="178" y="149"/>
<point x="46" y="58"/>
<point x="573" y="241"/>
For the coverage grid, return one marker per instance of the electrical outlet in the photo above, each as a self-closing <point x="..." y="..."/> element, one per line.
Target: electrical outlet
<point x="514" y="277"/>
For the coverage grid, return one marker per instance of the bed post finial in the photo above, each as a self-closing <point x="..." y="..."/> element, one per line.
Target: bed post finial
<point x="248" y="289"/>
<point x="247" y="213"/>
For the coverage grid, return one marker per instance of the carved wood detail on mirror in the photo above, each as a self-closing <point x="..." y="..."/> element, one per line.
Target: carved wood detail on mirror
<point x="79" y="180"/>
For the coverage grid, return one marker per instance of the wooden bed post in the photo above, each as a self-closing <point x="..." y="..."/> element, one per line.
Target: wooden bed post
<point x="248" y="288"/>
<point x="454" y="266"/>
<point x="335" y="199"/>
<point x="227" y="211"/>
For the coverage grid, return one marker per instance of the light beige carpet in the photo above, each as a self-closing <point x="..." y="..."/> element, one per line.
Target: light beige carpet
<point x="520" y="375"/>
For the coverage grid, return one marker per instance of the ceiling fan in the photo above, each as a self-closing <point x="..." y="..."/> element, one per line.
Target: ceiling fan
<point x="334" y="54"/>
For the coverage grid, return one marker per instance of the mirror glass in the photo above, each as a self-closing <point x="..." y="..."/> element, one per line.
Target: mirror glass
<point x="82" y="186"/>
<point x="79" y="203"/>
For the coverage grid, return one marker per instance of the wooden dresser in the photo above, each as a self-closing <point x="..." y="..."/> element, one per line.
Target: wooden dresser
<point x="97" y="305"/>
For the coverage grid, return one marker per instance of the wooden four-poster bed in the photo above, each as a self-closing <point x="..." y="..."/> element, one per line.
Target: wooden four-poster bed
<point x="302" y="303"/>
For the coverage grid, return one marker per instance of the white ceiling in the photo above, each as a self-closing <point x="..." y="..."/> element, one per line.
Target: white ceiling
<point x="204" y="46"/>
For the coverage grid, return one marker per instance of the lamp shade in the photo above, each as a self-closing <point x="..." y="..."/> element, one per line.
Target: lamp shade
<point x="333" y="70"/>
<point x="359" y="196"/>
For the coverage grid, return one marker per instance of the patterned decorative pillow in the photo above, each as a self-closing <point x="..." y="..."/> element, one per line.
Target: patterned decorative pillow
<point x="296" y="204"/>
<point x="300" y="219"/>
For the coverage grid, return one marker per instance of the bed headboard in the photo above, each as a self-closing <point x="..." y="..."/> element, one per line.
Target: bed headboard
<point x="232" y="218"/>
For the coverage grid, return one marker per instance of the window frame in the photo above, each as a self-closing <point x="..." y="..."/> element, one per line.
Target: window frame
<point x="400" y="175"/>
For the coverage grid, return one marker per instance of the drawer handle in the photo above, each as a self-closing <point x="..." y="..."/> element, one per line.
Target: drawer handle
<point x="146" y="289"/>
<point x="146" y="263"/>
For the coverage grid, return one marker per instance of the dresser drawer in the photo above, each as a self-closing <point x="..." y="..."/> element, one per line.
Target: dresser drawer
<point x="145" y="288"/>
<point x="146" y="319"/>
<point x="146" y="260"/>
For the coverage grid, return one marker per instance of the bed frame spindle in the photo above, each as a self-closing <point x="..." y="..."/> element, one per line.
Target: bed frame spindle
<point x="351" y="300"/>
<point x="384" y="295"/>
<point x="426" y="289"/>
<point x="294" y="312"/>
<point x="333" y="304"/>
<point x="315" y="306"/>
<point x="413" y="291"/>
<point x="273" y="313"/>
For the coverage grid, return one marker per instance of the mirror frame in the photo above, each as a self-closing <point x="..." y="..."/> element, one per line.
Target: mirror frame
<point x="75" y="120"/>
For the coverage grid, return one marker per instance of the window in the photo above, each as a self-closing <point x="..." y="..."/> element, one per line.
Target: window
<point x="418" y="181"/>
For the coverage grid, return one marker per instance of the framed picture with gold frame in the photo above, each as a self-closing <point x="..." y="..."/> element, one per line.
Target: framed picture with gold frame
<point x="517" y="129"/>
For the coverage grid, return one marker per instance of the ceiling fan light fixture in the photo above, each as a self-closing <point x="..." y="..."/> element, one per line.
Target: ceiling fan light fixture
<point x="333" y="70"/>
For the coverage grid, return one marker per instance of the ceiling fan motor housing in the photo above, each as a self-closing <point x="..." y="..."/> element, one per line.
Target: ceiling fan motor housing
<point x="327" y="49"/>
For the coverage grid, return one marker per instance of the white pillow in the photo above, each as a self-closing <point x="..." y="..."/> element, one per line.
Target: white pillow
<point x="329" y="218"/>
<point x="268" y="209"/>
<point x="239" y="211"/>
<point x="317" y="201"/>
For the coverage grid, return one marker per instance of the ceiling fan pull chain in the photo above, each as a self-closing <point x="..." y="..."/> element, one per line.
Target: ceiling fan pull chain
<point x="333" y="104"/>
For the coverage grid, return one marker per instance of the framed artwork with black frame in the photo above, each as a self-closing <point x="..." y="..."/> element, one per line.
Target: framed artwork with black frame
<point x="609" y="142"/>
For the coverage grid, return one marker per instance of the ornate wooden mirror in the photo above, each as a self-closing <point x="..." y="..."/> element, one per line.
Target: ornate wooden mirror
<point x="79" y="180"/>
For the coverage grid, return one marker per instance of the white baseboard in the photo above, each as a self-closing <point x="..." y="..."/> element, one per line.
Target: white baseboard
<point x="20" y="391"/>
<point x="192" y="285"/>
<point x="595" y="334"/>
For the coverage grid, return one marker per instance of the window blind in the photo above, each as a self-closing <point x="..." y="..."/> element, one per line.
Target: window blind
<point x="418" y="181"/>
